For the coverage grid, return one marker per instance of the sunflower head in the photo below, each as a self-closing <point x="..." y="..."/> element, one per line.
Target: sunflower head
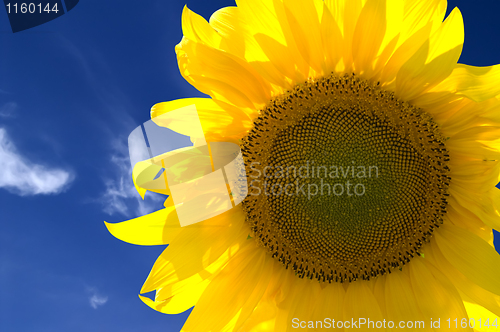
<point x="351" y="175"/>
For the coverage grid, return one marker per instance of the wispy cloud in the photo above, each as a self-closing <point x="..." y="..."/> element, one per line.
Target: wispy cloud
<point x="8" y="110"/>
<point x="120" y="195"/>
<point x="24" y="177"/>
<point x="95" y="299"/>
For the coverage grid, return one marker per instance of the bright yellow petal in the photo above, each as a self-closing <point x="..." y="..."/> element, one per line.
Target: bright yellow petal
<point x="369" y="42"/>
<point x="461" y="282"/>
<point x="218" y="120"/>
<point x="359" y="303"/>
<point x="239" y="41"/>
<point x="179" y="302"/>
<point x="472" y="256"/>
<point x="434" y="61"/>
<point x="437" y="298"/>
<point x="218" y="73"/>
<point x="156" y="228"/>
<point x="419" y="14"/>
<point x="332" y="39"/>
<point x="400" y="301"/>
<point x="273" y="36"/>
<point x="330" y="303"/>
<point x="464" y="218"/>
<point x="481" y="319"/>
<point x="402" y="54"/>
<point x="197" y="29"/>
<point x="262" y="318"/>
<point x="289" y="28"/>
<point x="242" y="283"/>
<point x="262" y="16"/>
<point x="177" y="292"/>
<point x="304" y="23"/>
<point x="196" y="247"/>
<point x="379" y="292"/>
<point x="486" y="206"/>
<point x="352" y="10"/>
<point x="476" y="83"/>
<point x="305" y="298"/>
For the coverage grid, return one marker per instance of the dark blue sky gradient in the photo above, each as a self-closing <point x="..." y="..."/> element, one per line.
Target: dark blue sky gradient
<point x="71" y="91"/>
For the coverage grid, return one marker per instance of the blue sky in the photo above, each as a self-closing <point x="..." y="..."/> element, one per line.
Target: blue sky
<point x="71" y="91"/>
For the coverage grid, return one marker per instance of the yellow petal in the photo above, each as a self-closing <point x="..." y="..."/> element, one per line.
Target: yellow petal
<point x="352" y="10"/>
<point x="274" y="38"/>
<point x="436" y="296"/>
<point x="143" y="173"/>
<point x="218" y="119"/>
<point x="285" y="287"/>
<point x="215" y="88"/>
<point x="481" y="319"/>
<point x="402" y="54"/>
<point x="338" y="10"/>
<point x="485" y="206"/>
<point x="463" y="114"/>
<point x="243" y="282"/>
<point x="279" y="56"/>
<point x="305" y="299"/>
<point x="369" y="42"/>
<point x="262" y="318"/>
<point x="400" y="301"/>
<point x="175" y="295"/>
<point x="479" y="176"/>
<point x="305" y="26"/>
<point x="238" y="40"/>
<point x="332" y="39"/>
<point x="262" y="16"/>
<point x="434" y="61"/>
<point x="464" y="218"/>
<point x="196" y="247"/>
<point x="181" y="165"/>
<point x="461" y="282"/>
<point x="156" y="228"/>
<point x="472" y="256"/>
<point x="379" y="292"/>
<point x="419" y="14"/>
<point x="476" y="83"/>
<point x="197" y="29"/>
<point x="203" y="66"/>
<point x="360" y="303"/>
<point x="179" y="303"/>
<point x="288" y="26"/>
<point x="229" y="25"/>
<point x="329" y="304"/>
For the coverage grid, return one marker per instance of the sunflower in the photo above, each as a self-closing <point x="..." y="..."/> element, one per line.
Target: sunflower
<point x="371" y="157"/>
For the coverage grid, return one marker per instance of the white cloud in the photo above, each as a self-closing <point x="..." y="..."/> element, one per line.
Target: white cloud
<point x="120" y="196"/>
<point x="95" y="299"/>
<point x="7" y="110"/>
<point x="24" y="177"/>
